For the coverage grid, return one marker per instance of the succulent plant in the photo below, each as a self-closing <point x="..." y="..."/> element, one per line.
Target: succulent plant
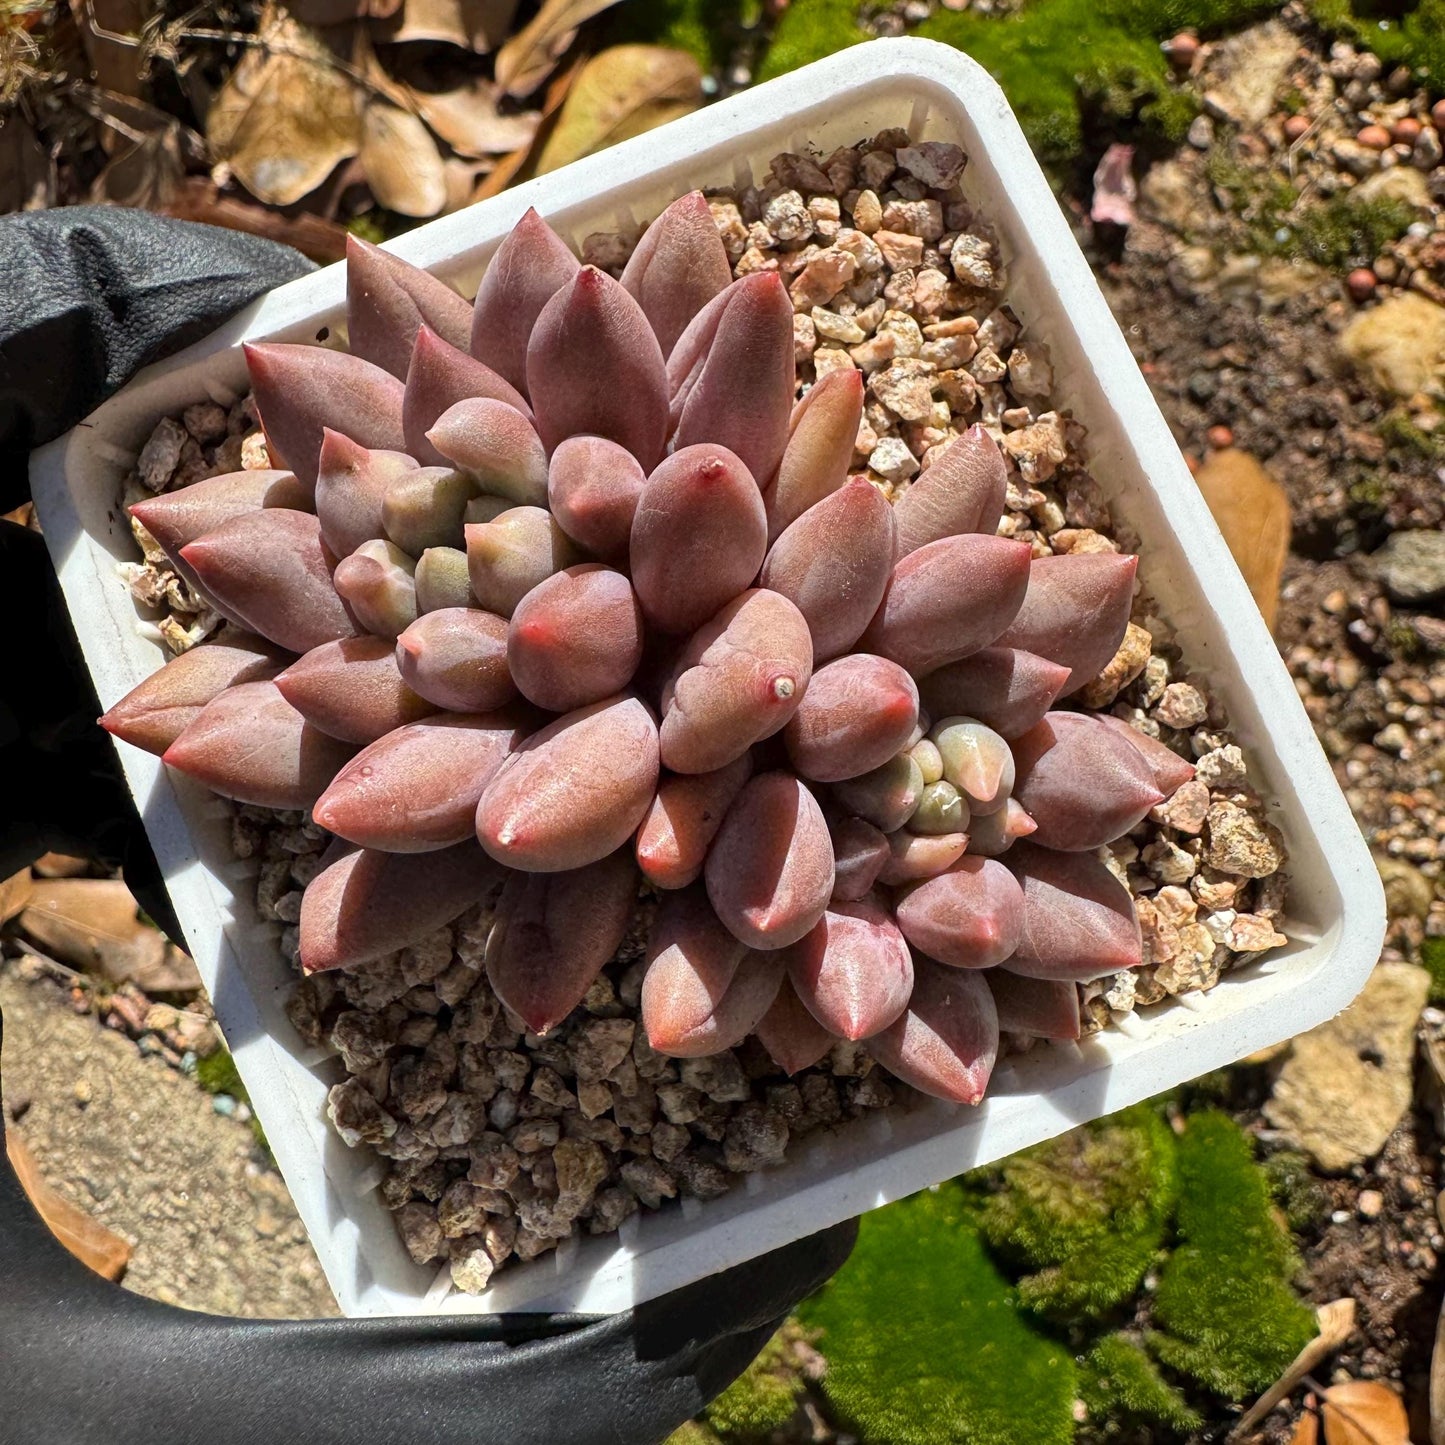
<point x="594" y="610"/>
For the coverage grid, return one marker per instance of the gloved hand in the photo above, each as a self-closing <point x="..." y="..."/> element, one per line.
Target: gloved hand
<point x="87" y="295"/>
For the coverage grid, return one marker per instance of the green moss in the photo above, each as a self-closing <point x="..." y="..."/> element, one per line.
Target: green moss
<point x="926" y="1343"/>
<point x="1119" y="1383"/>
<point x="1298" y="1193"/>
<point x="807" y="31"/>
<point x="1086" y="1213"/>
<point x="1400" y="34"/>
<point x="1227" y="1317"/>
<point x="216" y="1073"/>
<point x="762" y="1399"/>
<point x="1340" y="233"/>
<point x="1432" y="957"/>
<point x="1396" y="429"/>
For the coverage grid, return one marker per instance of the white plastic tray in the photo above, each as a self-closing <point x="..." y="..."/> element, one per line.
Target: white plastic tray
<point x="1337" y="912"/>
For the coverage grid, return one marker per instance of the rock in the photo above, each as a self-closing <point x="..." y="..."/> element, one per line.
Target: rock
<point x="1346" y="1084"/>
<point x="1400" y="183"/>
<point x="1170" y="194"/>
<point x="1412" y="566"/>
<point x="1122" y="669"/>
<point x="1242" y="844"/>
<point x="1280" y="280"/>
<point x="1252" y="510"/>
<point x="1399" y="345"/>
<point x="1408" y="892"/>
<point x="1243" y="73"/>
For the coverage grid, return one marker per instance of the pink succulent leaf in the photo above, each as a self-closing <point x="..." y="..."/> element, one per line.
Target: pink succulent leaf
<point x="977" y="761"/>
<point x="302" y="390"/>
<point x="856" y="714"/>
<point x="853" y="971"/>
<point x="1007" y="689"/>
<point x="176" y="519"/>
<point x="678" y="266"/>
<point x="517" y="551"/>
<point x="946" y="1041"/>
<point x="1170" y="772"/>
<point x="822" y="432"/>
<point x="443" y="581"/>
<point x="496" y="446"/>
<point x="683" y="819"/>
<point x="555" y="932"/>
<point x="573" y="792"/>
<point x="437" y="378"/>
<point x="794" y="1039"/>
<point x="1042" y="1008"/>
<point x="529" y="268"/>
<point x="593" y="488"/>
<point x="1081" y="782"/>
<point x="388" y="299"/>
<point x="962" y="491"/>
<point x="417" y="788"/>
<point x="250" y="744"/>
<point x="860" y="853"/>
<point x="947" y="600"/>
<point x="155" y="713"/>
<point x="575" y="638"/>
<point x="594" y="368"/>
<point x="969" y="917"/>
<point x="271" y="572"/>
<point x="698" y="537"/>
<point x="992" y="834"/>
<point x="769" y="873"/>
<point x="731" y="374"/>
<point x="913" y="858"/>
<point x="378" y="584"/>
<point x="887" y="796"/>
<point x="351" y="487"/>
<point x="456" y="657"/>
<point x="834" y="563"/>
<point x="738" y="680"/>
<point x="352" y="690"/>
<point x="365" y="904"/>
<point x="1075" y="612"/>
<point x="1079" y="920"/>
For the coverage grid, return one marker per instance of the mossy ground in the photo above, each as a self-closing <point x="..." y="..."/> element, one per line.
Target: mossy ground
<point x="216" y="1073"/>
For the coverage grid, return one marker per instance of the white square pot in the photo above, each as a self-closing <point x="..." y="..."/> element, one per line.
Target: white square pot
<point x="1336" y="918"/>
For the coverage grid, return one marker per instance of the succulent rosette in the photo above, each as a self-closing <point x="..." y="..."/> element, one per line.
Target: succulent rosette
<point x="562" y="598"/>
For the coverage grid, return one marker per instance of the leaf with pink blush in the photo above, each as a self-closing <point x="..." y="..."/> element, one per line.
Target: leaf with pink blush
<point x="969" y="917"/>
<point x="962" y="491"/>
<point x="992" y="834"/>
<point x="351" y="488"/>
<point x="175" y="519"/>
<point x="860" y="852"/>
<point x="856" y="714"/>
<point x="496" y="446"/>
<point x="388" y="299"/>
<point x="438" y="376"/>
<point x="456" y="658"/>
<point x="1169" y="771"/>
<point x="853" y="971"/>
<point x="378" y="584"/>
<point x="683" y="819"/>
<point x="1004" y="688"/>
<point x="913" y="857"/>
<point x="677" y="267"/>
<point x="794" y="1039"/>
<point x="1042" y="1008"/>
<point x="887" y="796"/>
<point x="946" y="1041"/>
<point x="593" y="488"/>
<point x="352" y="689"/>
<point x="976" y="761"/>
<point x="822" y="433"/>
<point x="515" y="552"/>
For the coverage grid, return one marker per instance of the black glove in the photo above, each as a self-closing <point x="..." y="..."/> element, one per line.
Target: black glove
<point x="87" y="295"/>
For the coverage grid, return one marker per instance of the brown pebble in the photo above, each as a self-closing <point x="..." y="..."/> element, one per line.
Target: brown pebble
<point x="1376" y="137"/>
<point x="1295" y="127"/>
<point x="1360" y="283"/>
<point x="1437" y="115"/>
<point x="1406" y="130"/>
<point x="1219" y="437"/>
<point x="1181" y="50"/>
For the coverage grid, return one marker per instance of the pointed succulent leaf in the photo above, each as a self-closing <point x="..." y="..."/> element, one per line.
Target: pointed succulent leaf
<point x="942" y="811"/>
<point x="679" y="265"/>
<point x="962" y="491"/>
<point x="271" y="572"/>
<point x="351" y="487"/>
<point x="496" y="446"/>
<point x="417" y="788"/>
<point x="683" y="819"/>
<point x="946" y="1042"/>
<point x="575" y="638"/>
<point x="302" y="390"/>
<point x="977" y="761"/>
<point x="1042" y="1008"/>
<point x="886" y="797"/>
<point x="594" y="368"/>
<point x="992" y="834"/>
<point x="352" y="689"/>
<point x="860" y="852"/>
<point x="250" y="744"/>
<point x="593" y="487"/>
<point x="698" y="537"/>
<point x="731" y="375"/>
<point x="529" y="268"/>
<point x="443" y="580"/>
<point x="387" y="300"/>
<point x="573" y="792"/>
<point x="154" y="714"/>
<point x="508" y="557"/>
<point x="947" y="600"/>
<point x="834" y="563"/>
<point x="456" y="657"/>
<point x="1079" y="921"/>
<point x="437" y="378"/>
<point x="738" y="680"/>
<point x="425" y="508"/>
<point x="1075" y="612"/>
<point x="1081" y="782"/>
<point x="770" y="871"/>
<point x="176" y="519"/>
<point x="970" y="916"/>
<point x="914" y="857"/>
<point x="856" y="714"/>
<point x="794" y="1039"/>
<point x="1169" y="771"/>
<point x="554" y="934"/>
<point x="365" y="904"/>
<point x="1004" y="688"/>
<point x="378" y="583"/>
<point x="853" y="971"/>
<point x="822" y="432"/>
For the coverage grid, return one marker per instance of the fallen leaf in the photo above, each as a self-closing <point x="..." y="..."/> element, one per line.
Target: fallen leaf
<point x="528" y="57"/>
<point x="621" y="93"/>
<point x="521" y="164"/>
<point x="15" y="893"/>
<point x="461" y="181"/>
<point x="402" y="164"/>
<point x="287" y="115"/>
<point x="478" y="25"/>
<point x="94" y="1245"/>
<point x="60" y="865"/>
<point x="1307" y="1429"/>
<point x="27" y="179"/>
<point x="1364" y="1412"/>
<point x="146" y="174"/>
<point x="468" y="120"/>
<point x="1252" y="511"/>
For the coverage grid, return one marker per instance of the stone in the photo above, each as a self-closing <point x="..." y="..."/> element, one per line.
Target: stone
<point x="1398" y="347"/>
<point x="1400" y="183"/>
<point x="1182" y="706"/>
<point x="1168" y="192"/>
<point x="1186" y="810"/>
<point x="1347" y="1084"/>
<point x="1123" y="667"/>
<point x="1408" y="892"/>
<point x="1412" y="567"/>
<point x="1242" y="844"/>
<point x="1243" y="73"/>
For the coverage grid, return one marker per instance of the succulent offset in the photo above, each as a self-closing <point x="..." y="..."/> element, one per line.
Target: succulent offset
<point x="563" y="591"/>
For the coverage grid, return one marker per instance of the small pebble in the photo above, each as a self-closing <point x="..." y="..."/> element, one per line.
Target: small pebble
<point x="1437" y="115"/>
<point x="1360" y="283"/>
<point x="1406" y="130"/>
<point x="1376" y="137"/>
<point x="1219" y="437"/>
<point x="1296" y="127"/>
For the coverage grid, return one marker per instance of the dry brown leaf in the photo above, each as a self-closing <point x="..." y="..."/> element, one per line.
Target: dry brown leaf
<point x="146" y="174"/>
<point x="60" y="865"/>
<point x="91" y="1243"/>
<point x="15" y="893"/>
<point x="521" y="164"/>
<point x="1307" y="1428"/>
<point x="402" y="164"/>
<point x="468" y="120"/>
<point x="1364" y="1412"/>
<point x="479" y="25"/>
<point x="287" y="115"/>
<point x="621" y="93"/>
<point x="527" y="59"/>
<point x="1252" y="510"/>
<point x="27" y="180"/>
